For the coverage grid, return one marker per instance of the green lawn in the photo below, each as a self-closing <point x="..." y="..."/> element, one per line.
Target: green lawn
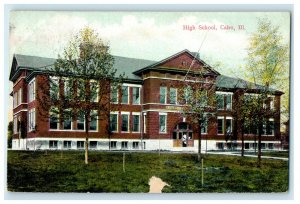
<point x="53" y="172"/>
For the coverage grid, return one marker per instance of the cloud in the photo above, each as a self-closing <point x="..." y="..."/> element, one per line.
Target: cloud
<point x="131" y="36"/>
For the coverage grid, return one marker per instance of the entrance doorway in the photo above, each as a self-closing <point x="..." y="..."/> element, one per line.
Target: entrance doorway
<point x="183" y="135"/>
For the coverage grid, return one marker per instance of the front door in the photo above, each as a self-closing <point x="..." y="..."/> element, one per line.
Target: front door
<point x="183" y="135"/>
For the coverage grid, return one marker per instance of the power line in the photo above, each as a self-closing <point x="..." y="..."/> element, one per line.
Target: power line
<point x="193" y="61"/>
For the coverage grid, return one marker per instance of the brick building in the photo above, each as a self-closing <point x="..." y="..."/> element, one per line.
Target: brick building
<point x="150" y="116"/>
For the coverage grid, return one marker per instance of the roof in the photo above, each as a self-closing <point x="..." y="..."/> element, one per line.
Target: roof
<point x="226" y="82"/>
<point x="122" y="64"/>
<point x="130" y="66"/>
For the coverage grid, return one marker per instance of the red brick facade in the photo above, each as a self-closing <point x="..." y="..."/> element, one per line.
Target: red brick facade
<point x="168" y="73"/>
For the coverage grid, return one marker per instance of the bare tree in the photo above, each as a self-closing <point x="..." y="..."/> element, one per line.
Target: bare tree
<point x="196" y="95"/>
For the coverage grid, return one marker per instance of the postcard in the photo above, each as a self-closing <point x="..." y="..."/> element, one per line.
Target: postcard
<point x="148" y="102"/>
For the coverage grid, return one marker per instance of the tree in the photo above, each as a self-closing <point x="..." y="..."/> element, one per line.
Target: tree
<point x="10" y="129"/>
<point x="80" y="85"/>
<point x="267" y="64"/>
<point x="268" y="60"/>
<point x="199" y="106"/>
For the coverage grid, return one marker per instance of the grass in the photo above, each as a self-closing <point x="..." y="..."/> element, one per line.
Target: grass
<point x="283" y="154"/>
<point x="56" y="172"/>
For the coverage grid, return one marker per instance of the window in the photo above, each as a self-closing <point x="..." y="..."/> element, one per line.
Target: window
<point x="54" y="88"/>
<point x="135" y="95"/>
<point x="145" y="118"/>
<point x="135" y="145"/>
<point x="271" y="146"/>
<point x="125" y="94"/>
<point x="113" y="144"/>
<point x="187" y="94"/>
<point x="67" y="144"/>
<point x="162" y="123"/>
<point x="94" y="90"/>
<point x="113" y="122"/>
<point x="221" y="125"/>
<point x="270" y="127"/>
<point x="80" y="144"/>
<point x="173" y="95"/>
<point x="81" y="89"/>
<point x="80" y="121"/>
<point x="124" y="145"/>
<point x="125" y="123"/>
<point x="228" y="125"/>
<point x="114" y="94"/>
<point x="93" y="144"/>
<point x="247" y="146"/>
<point x="163" y="95"/>
<point x="31" y="90"/>
<point x="15" y="125"/>
<point x="53" y="144"/>
<point x="94" y="120"/>
<point x="31" y="119"/>
<point x="204" y="125"/>
<point x="224" y="101"/>
<point x="220" y="145"/>
<point x="19" y="96"/>
<point x="68" y="89"/>
<point x="220" y="102"/>
<point x="204" y="98"/>
<point x="228" y="102"/>
<point x="271" y="103"/>
<point x="67" y="122"/>
<point x="54" y="121"/>
<point x="136" y="122"/>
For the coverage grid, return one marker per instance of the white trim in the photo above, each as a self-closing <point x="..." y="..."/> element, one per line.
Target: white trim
<point x="271" y="119"/>
<point x="224" y="93"/>
<point x="144" y="123"/>
<point x="115" y="113"/>
<point x="163" y="110"/>
<point x="20" y="111"/>
<point x="229" y="117"/>
<point x="136" y="114"/>
<point x="97" y="121"/>
<point x="223" y="126"/>
<point x="128" y="94"/>
<point x="167" y="78"/>
<point x="251" y="94"/>
<point x="166" y="94"/>
<point x="97" y="91"/>
<point x="139" y="102"/>
<point x="176" y="90"/>
<point x="31" y="90"/>
<point x="166" y="122"/>
<point x="132" y="85"/>
<point x="110" y="93"/>
<point x="165" y="104"/>
<point x="128" y="122"/>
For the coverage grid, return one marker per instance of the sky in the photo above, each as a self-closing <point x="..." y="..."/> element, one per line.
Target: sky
<point x="144" y="35"/>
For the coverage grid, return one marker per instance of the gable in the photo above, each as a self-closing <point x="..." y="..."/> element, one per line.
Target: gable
<point x="181" y="62"/>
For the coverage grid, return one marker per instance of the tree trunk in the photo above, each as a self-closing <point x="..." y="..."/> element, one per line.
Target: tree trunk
<point x="259" y="144"/>
<point x="243" y="139"/>
<point x="86" y="141"/>
<point x="199" y="141"/>
<point x="86" y="149"/>
<point x="243" y="143"/>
